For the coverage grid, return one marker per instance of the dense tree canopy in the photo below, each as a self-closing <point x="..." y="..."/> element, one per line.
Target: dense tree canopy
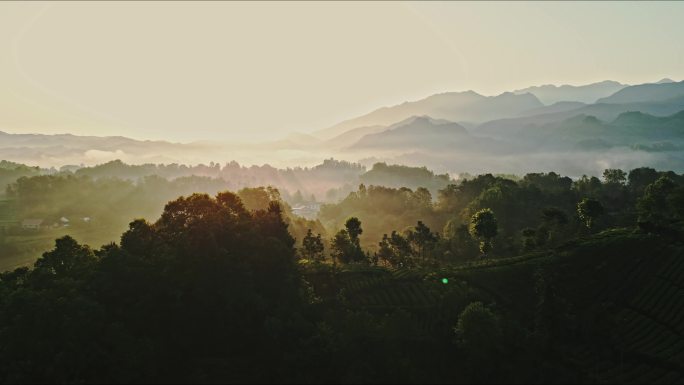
<point x="484" y="226"/>
<point x="216" y="289"/>
<point x="589" y="210"/>
<point x="208" y="278"/>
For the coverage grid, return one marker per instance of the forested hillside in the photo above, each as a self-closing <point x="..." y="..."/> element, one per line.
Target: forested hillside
<point x="543" y="279"/>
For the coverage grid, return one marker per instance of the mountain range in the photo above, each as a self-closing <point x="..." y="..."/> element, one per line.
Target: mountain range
<point x="657" y="92"/>
<point x="422" y="133"/>
<point x="466" y="106"/>
<point x="594" y="126"/>
<point x="590" y="93"/>
<point x="56" y="150"/>
<point x="632" y="126"/>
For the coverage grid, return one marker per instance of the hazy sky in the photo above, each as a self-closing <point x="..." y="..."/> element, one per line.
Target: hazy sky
<point x="206" y="71"/>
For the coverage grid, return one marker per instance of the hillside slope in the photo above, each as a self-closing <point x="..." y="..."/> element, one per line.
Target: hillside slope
<point x="609" y="305"/>
<point x="661" y="91"/>
<point x="423" y="133"/>
<point x="466" y="106"/>
<point x="510" y="128"/>
<point x="549" y="93"/>
<point x="617" y="299"/>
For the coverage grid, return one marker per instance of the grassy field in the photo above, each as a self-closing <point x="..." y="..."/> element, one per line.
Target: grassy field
<point x="17" y="250"/>
<point x="7" y="213"/>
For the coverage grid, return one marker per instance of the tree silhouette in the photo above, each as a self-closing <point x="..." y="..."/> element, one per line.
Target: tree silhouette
<point x="385" y="252"/>
<point x="353" y="226"/>
<point x="659" y="206"/>
<point x="422" y="237"/>
<point x="68" y="257"/>
<point x="312" y="247"/>
<point x="346" y="245"/>
<point x="614" y="176"/>
<point x="341" y="247"/>
<point x="484" y="226"/>
<point x="479" y="333"/>
<point x="588" y="211"/>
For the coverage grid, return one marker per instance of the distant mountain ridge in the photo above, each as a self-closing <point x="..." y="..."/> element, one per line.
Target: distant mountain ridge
<point x="473" y="108"/>
<point x="68" y="148"/>
<point x="553" y="108"/>
<point x="466" y="106"/>
<point x="603" y="111"/>
<point x="653" y="92"/>
<point x="95" y="142"/>
<point x="453" y="131"/>
<point x="590" y="93"/>
<point x="411" y="132"/>
<point x="573" y="136"/>
<point x="424" y="133"/>
<point x="586" y="132"/>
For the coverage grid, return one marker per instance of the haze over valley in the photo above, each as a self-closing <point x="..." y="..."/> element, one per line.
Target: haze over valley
<point x="580" y="130"/>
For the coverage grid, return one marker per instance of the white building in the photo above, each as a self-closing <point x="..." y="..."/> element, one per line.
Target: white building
<point x="32" y="224"/>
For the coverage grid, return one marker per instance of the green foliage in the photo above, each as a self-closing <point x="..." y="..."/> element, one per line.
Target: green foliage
<point x="385" y="252"/>
<point x="461" y="244"/>
<point x="10" y="172"/>
<point x="224" y="276"/>
<point x="540" y="201"/>
<point x="555" y="216"/>
<point x="341" y="247"/>
<point x="353" y="226"/>
<point x="67" y="258"/>
<point x="588" y="187"/>
<point x="661" y="208"/>
<point x="235" y="176"/>
<point x="258" y="198"/>
<point x="615" y="176"/>
<point x="639" y="178"/>
<point x="551" y="182"/>
<point x="589" y="210"/>
<point x="223" y="271"/>
<point x="346" y="245"/>
<point x="479" y="335"/>
<point x="403" y="176"/>
<point x="109" y="203"/>
<point x="212" y="291"/>
<point x="381" y="210"/>
<point x="396" y="251"/>
<point x="423" y="239"/>
<point x="312" y="247"/>
<point x="484" y="226"/>
<point x="478" y="329"/>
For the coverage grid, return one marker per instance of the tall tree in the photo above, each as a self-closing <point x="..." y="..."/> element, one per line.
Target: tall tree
<point x="588" y="211"/>
<point x="385" y="252"/>
<point x="615" y="176"/>
<point x="341" y="247"/>
<point x="312" y="247"/>
<point x="346" y="245"/>
<point x="479" y="334"/>
<point x="353" y="226"/>
<point x="422" y="237"/>
<point x="68" y="257"/>
<point x="660" y="205"/>
<point x="484" y="226"/>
